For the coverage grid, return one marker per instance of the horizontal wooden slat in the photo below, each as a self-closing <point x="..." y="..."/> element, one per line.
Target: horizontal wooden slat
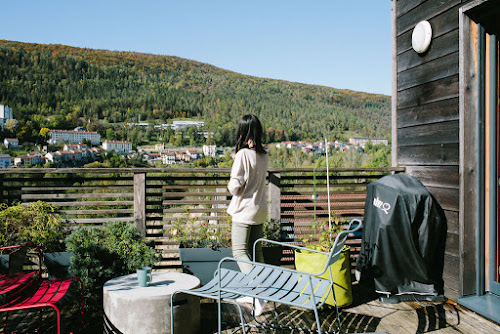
<point x="101" y="220"/>
<point x="197" y="193"/>
<point x="194" y="186"/>
<point x="79" y="188"/>
<point x="291" y="217"/>
<point x="192" y="210"/>
<point x="333" y="177"/>
<point x="322" y="204"/>
<point x="166" y="171"/>
<point x="323" y="194"/>
<point x="214" y="218"/>
<point x="91" y="203"/>
<point x="95" y="212"/>
<point x="192" y="202"/>
<point x="76" y="196"/>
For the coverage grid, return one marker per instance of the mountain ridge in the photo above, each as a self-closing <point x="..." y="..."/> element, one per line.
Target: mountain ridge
<point x="94" y="86"/>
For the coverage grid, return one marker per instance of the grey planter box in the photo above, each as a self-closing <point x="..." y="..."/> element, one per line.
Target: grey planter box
<point x="57" y="264"/>
<point x="203" y="262"/>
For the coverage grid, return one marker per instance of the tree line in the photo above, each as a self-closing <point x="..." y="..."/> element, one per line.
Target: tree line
<point x="61" y="87"/>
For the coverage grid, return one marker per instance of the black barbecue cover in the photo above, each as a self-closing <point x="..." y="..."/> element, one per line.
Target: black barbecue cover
<point x="404" y="235"/>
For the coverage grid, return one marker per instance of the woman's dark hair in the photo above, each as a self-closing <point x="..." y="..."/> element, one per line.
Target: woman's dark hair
<point x="249" y="127"/>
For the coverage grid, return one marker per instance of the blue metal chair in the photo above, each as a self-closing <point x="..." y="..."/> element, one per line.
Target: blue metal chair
<point x="274" y="284"/>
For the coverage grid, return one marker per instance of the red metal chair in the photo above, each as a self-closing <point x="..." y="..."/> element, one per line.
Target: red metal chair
<point x="28" y="290"/>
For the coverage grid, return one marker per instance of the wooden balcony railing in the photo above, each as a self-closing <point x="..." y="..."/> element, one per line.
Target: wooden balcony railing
<point x="152" y="198"/>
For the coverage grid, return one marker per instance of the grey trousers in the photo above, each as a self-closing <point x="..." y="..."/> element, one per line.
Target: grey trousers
<point x="243" y="237"/>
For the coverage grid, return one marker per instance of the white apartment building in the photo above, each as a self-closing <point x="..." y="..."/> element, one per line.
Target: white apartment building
<point x="168" y="157"/>
<point x="120" y="146"/>
<point x="73" y="136"/>
<point x="5" y="160"/>
<point x="11" y="142"/>
<point x="182" y="124"/>
<point x="209" y="150"/>
<point x="33" y="158"/>
<point x="5" y="114"/>
<point x="362" y="141"/>
<point x="54" y="157"/>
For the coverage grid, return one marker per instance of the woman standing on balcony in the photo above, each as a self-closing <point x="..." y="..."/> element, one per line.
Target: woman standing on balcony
<point x="247" y="184"/>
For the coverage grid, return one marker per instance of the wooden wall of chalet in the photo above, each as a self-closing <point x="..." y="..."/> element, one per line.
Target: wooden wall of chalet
<point x="427" y="111"/>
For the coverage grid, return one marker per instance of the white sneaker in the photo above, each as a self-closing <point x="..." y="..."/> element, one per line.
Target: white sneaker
<point x="259" y="306"/>
<point x="243" y="300"/>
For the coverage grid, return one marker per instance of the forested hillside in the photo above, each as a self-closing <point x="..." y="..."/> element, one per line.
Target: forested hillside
<point x="62" y="87"/>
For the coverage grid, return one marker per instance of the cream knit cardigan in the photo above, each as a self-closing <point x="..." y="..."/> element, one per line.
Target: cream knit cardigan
<point x="248" y="187"/>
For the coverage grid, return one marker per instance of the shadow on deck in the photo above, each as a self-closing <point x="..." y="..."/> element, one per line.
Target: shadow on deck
<point x="366" y="315"/>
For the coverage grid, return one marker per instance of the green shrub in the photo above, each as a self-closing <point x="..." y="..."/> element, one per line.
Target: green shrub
<point x="35" y="224"/>
<point x="100" y="254"/>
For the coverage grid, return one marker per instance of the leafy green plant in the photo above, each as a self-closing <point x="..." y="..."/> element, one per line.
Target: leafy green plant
<point x="194" y="233"/>
<point x="100" y="254"/>
<point x="272" y="231"/>
<point x="36" y="223"/>
<point x="322" y="235"/>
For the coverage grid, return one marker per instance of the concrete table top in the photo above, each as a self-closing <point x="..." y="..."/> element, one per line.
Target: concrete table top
<point x="134" y="309"/>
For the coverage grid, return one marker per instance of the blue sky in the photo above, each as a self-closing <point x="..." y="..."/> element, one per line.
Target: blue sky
<point x="336" y="43"/>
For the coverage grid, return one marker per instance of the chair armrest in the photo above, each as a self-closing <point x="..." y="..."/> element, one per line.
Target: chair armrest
<point x="262" y="265"/>
<point x="284" y="244"/>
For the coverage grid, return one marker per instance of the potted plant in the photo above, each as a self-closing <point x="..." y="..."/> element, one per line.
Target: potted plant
<point x="272" y="252"/>
<point x="202" y="244"/>
<point x="100" y="254"/>
<point x="38" y="224"/>
<point x="321" y="239"/>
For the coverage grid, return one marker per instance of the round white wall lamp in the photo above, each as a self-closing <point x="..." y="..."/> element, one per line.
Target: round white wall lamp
<point x="421" y="37"/>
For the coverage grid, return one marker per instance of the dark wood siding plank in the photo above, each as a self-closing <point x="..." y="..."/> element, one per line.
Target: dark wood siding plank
<point x="404" y="6"/>
<point x="432" y="92"/>
<point x="439" y="154"/>
<point x="440" y="47"/>
<point x="440" y="111"/>
<point x="425" y="11"/>
<point x="452" y="242"/>
<point x="452" y="221"/>
<point x="427" y="114"/>
<point x="436" y="176"/>
<point x="450" y="277"/>
<point x="441" y="24"/>
<point x="435" y="133"/>
<point x="437" y="69"/>
<point x="446" y="197"/>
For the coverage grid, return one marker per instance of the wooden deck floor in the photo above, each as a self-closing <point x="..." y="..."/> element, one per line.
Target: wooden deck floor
<point x="367" y="315"/>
